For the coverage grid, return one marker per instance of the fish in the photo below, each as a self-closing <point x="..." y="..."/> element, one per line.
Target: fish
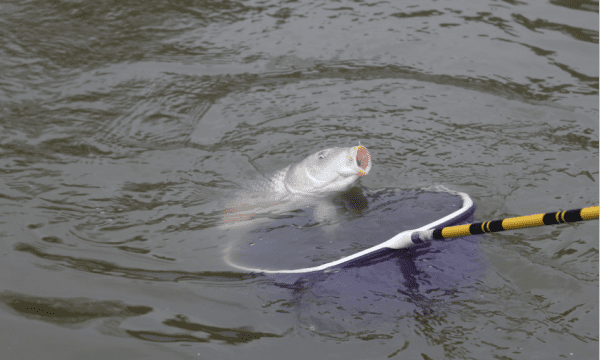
<point x="298" y="185"/>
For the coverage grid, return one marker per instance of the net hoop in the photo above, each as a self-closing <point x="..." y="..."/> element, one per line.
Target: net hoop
<point x="399" y="241"/>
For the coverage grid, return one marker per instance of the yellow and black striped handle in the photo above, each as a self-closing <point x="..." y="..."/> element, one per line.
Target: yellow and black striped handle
<point x="508" y="224"/>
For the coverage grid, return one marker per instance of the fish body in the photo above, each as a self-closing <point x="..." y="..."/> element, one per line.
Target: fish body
<point x="298" y="185"/>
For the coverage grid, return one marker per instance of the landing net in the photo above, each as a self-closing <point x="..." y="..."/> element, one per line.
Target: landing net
<point x="293" y="242"/>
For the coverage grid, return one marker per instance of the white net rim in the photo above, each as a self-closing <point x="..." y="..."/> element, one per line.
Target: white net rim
<point x="399" y="241"/>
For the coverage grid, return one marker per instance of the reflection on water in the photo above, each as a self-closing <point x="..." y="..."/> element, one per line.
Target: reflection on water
<point x="125" y="128"/>
<point x="67" y="311"/>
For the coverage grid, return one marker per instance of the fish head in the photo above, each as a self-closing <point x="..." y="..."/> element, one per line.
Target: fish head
<point x="328" y="170"/>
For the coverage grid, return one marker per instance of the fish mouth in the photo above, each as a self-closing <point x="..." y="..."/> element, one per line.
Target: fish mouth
<point x="363" y="160"/>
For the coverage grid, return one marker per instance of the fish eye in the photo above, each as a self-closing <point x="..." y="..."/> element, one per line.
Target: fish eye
<point x="321" y="155"/>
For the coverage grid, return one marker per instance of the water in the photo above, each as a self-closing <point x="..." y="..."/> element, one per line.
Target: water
<point x="125" y="126"/>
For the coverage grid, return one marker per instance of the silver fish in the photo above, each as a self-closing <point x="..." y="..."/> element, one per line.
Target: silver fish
<point x="298" y="185"/>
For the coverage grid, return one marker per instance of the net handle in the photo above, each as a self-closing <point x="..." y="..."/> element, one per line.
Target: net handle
<point x="552" y="218"/>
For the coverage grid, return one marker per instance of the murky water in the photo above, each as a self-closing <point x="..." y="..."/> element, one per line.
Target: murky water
<point x="125" y="126"/>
